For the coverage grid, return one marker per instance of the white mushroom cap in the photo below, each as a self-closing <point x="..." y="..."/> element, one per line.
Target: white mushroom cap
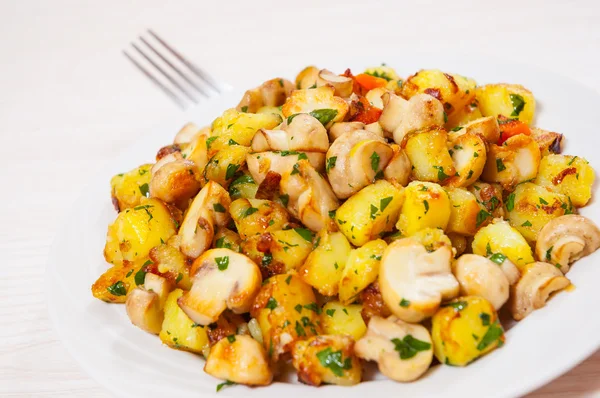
<point x="241" y="361"/>
<point x="304" y="133"/>
<point x="259" y="164"/>
<point x="144" y="310"/>
<point x="222" y="279"/>
<point x="174" y="179"/>
<point x="351" y="160"/>
<point x="538" y="282"/>
<point x="511" y="271"/>
<point x="413" y="282"/>
<point x="566" y="239"/>
<point x="310" y="196"/>
<point x="377" y="345"/>
<point x="342" y="84"/>
<point x="479" y="276"/>
<point x="400" y="116"/>
<point x="340" y="128"/>
<point x="198" y="226"/>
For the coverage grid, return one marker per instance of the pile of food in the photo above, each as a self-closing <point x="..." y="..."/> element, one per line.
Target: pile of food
<point x="349" y="218"/>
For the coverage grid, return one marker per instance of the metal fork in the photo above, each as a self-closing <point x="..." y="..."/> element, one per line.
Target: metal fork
<point x="187" y="86"/>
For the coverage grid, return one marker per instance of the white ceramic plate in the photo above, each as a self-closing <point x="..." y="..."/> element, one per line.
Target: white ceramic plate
<point x="130" y="362"/>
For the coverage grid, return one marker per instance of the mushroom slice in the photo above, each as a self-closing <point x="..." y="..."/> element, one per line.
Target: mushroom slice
<point x="159" y="285"/>
<point x="566" y="239"/>
<point x="400" y="116"/>
<point x="479" y="276"/>
<point x="175" y="179"/>
<point x="145" y="304"/>
<point x="340" y="128"/>
<point x="273" y="92"/>
<point x="239" y="359"/>
<point x="261" y="163"/>
<point x="197" y="151"/>
<point x="486" y="127"/>
<point x="375" y="95"/>
<point x="413" y="281"/>
<point x="314" y="99"/>
<point x="342" y="84"/>
<point x="189" y="132"/>
<point x="302" y="133"/>
<point x="198" y="226"/>
<point x="399" y="167"/>
<point x="310" y="196"/>
<point x="354" y="160"/>
<point x="402" y="351"/>
<point x="307" y="77"/>
<point x="515" y="161"/>
<point x="538" y="282"/>
<point x="222" y="279"/>
<point x="548" y="141"/>
<point x="468" y="153"/>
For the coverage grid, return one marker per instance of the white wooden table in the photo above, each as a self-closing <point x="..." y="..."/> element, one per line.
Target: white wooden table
<point x="69" y="100"/>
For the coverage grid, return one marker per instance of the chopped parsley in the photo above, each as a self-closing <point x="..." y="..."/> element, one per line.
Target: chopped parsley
<point x="408" y="347"/>
<point x="324" y="115"/>
<point x="375" y="257"/>
<point x="485" y="318"/>
<point x="518" y="103"/>
<point x="299" y="329"/>
<point x="333" y="360"/>
<point x="481" y="217"/>
<point x="305" y="233"/>
<point x="457" y="305"/>
<point x="498" y="258"/>
<point x="404" y="303"/>
<point x="272" y="303"/>
<point x="231" y="338"/>
<point x="231" y="170"/>
<point x="144" y="190"/>
<point x="375" y="161"/>
<point x="222" y="262"/>
<point x="500" y="165"/>
<point x="510" y="202"/>
<point x="526" y="224"/>
<point x="330" y="312"/>
<point x="117" y="289"/>
<point x="383" y="203"/>
<point x="284" y="199"/>
<point x="330" y="163"/>
<point x="249" y="211"/>
<point x="227" y="382"/>
<point x="219" y="208"/>
<point x="493" y="333"/>
<point x="542" y="201"/>
<point x="549" y="253"/>
<point x="441" y="175"/>
<point x="374" y="211"/>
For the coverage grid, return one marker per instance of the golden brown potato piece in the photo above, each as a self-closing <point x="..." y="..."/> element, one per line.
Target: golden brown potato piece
<point x="327" y="359"/>
<point x="429" y="155"/>
<point x="452" y="90"/>
<point x="128" y="189"/>
<point x="239" y="359"/>
<point x="287" y="311"/>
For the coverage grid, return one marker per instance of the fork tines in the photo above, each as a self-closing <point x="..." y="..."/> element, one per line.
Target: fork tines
<point x="176" y="82"/>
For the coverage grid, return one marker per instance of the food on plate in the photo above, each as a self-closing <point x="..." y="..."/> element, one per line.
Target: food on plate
<point x="346" y="218"/>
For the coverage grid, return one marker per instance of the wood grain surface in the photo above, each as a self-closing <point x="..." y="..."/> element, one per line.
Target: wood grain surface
<point x="69" y="101"/>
